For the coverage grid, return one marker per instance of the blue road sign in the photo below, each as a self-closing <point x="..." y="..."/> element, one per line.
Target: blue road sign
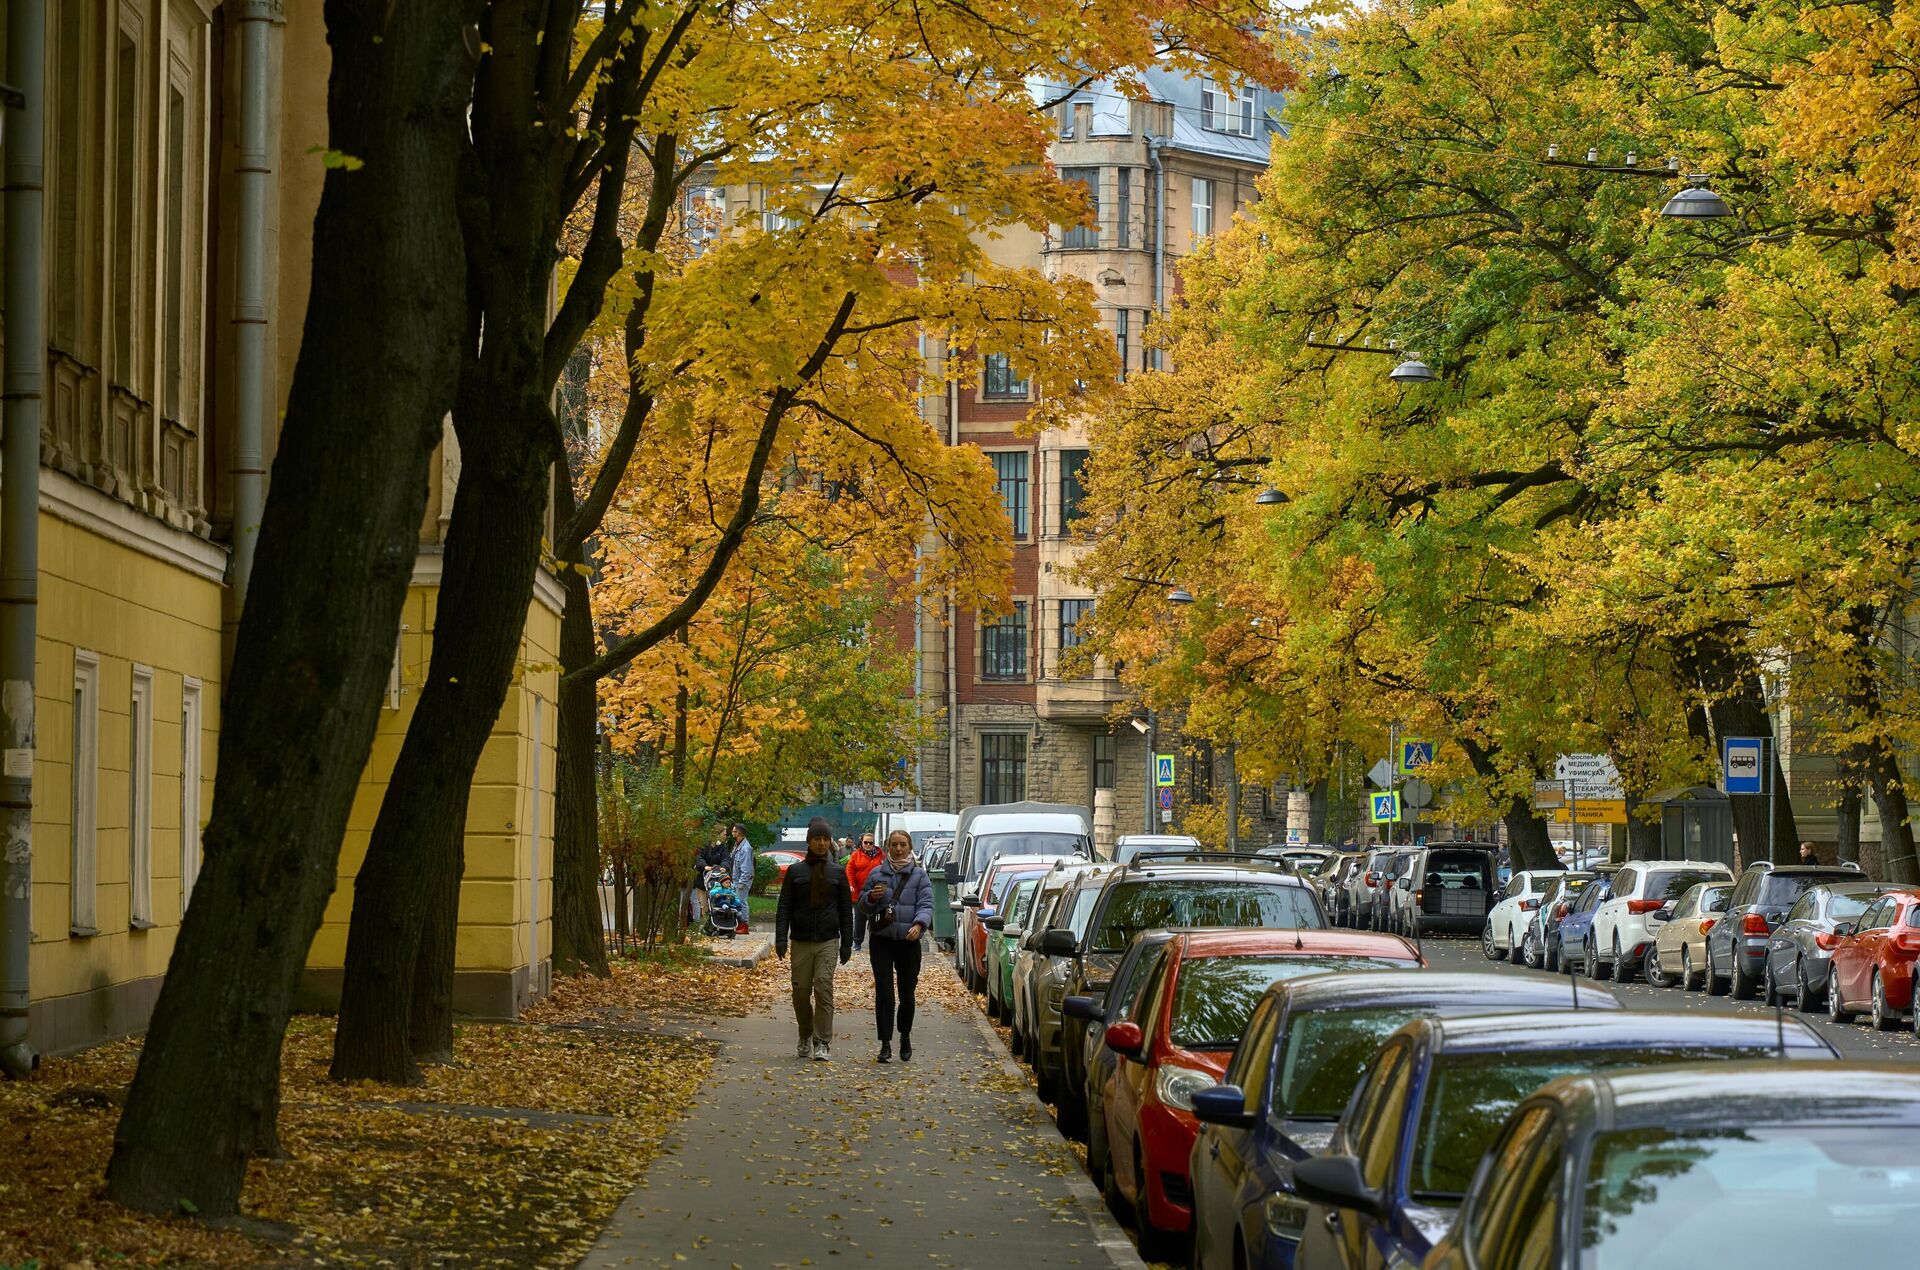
<point x="1386" y="807"/>
<point x="1163" y="770"/>
<point x="1743" y="764"/>
<point x="1414" y="755"/>
<point x="1166" y="798"/>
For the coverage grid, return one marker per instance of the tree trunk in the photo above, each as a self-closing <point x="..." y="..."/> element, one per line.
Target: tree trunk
<point x="377" y="371"/>
<point x="579" y="935"/>
<point x="1527" y="839"/>
<point x="1896" y="829"/>
<point x="1736" y="708"/>
<point x="1317" y="811"/>
<point x="409" y="885"/>
<point x="1847" y="823"/>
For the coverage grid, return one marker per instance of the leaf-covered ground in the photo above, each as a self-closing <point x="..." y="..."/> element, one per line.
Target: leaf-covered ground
<point x="512" y="1155"/>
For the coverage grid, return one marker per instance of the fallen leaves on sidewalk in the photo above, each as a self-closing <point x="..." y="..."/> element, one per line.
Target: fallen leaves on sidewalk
<point x="514" y="1154"/>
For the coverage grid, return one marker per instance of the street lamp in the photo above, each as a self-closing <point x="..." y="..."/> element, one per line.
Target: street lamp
<point x="1269" y="497"/>
<point x="1412" y="371"/>
<point x="1179" y="595"/>
<point x="1696" y="202"/>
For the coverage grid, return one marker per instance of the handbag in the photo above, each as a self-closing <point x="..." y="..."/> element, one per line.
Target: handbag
<point x="886" y="916"/>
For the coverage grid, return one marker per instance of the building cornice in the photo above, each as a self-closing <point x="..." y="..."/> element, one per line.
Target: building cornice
<point x="81" y="505"/>
<point x="547" y="592"/>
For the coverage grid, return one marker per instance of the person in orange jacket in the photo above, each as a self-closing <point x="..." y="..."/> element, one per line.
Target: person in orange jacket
<point x="864" y="860"/>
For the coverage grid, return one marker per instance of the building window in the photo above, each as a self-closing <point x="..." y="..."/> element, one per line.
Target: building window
<point x="1120" y="340"/>
<point x="1200" y="774"/>
<point x="190" y="723"/>
<point x="71" y="94"/>
<point x="1084" y="236"/>
<point x="1221" y="111"/>
<point x="1149" y="357"/>
<point x="140" y="801"/>
<point x="126" y="202"/>
<point x="1071" y="611"/>
<point x="1202" y="207"/>
<point x="1103" y="760"/>
<point x="174" y="348"/>
<point x="1003" y="767"/>
<point x="997" y="380"/>
<point x="1071" y="489"/>
<point x="84" y="812"/>
<point x="1003" y="645"/>
<point x="1010" y="476"/>
<point x="1123" y="211"/>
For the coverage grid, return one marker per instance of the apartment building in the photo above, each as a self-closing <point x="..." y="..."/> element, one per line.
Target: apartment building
<point x="1018" y="720"/>
<point x="177" y="244"/>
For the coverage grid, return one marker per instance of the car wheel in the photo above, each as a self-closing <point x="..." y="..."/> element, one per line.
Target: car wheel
<point x="1592" y="959"/>
<point x="1650" y="967"/>
<point x="1689" y="982"/>
<point x="1488" y="948"/>
<point x="1804" y="1000"/>
<point x="1528" y="955"/>
<point x="1884" y="1019"/>
<point x="1551" y="956"/>
<point x="1743" y="985"/>
<point x="1072" y="1119"/>
<point x="1116" y="1202"/>
<point x="1716" y="985"/>
<point x="1097" y="1161"/>
<point x="1836" y="1009"/>
<point x="1154" y="1242"/>
<point x="1622" y="968"/>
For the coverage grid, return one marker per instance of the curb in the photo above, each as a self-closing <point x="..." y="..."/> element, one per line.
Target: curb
<point x="743" y="960"/>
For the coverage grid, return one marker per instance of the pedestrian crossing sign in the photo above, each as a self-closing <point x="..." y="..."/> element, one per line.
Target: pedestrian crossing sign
<point x="1163" y="770"/>
<point x="1414" y="755"/>
<point x="1386" y="807"/>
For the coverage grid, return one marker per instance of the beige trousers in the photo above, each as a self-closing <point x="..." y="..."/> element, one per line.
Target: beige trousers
<point x="813" y="965"/>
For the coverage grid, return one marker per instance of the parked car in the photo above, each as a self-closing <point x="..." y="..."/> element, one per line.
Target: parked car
<point x="1003" y="929"/>
<point x="1648" y="1168"/>
<point x="1872" y="964"/>
<point x="1679" y="952"/>
<point x="1331" y="882"/>
<point x="1573" y="934"/>
<point x="1801" y="947"/>
<point x="1514" y="911"/>
<point x="971" y="948"/>
<point x="1295" y="1070"/>
<point x="985" y="833"/>
<point x="1046" y="982"/>
<point x="1379" y="914"/>
<point x="1361" y="884"/>
<point x="782" y="861"/>
<point x="1737" y="944"/>
<point x="1129" y="845"/>
<point x="1026" y="954"/>
<point x="1302" y="860"/>
<point x="921" y="826"/>
<point x="1189" y="1021"/>
<point x="1556" y="901"/>
<point x="1623" y="926"/>
<point x="1434" y="1097"/>
<point x="1444" y="886"/>
<point x="1123" y="996"/>
<point x="1173" y="895"/>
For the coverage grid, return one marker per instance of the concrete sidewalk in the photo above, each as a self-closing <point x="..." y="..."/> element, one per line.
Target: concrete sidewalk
<point x="947" y="1161"/>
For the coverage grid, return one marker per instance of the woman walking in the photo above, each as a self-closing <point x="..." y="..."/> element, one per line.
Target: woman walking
<point x="898" y="905"/>
<point x="816" y="910"/>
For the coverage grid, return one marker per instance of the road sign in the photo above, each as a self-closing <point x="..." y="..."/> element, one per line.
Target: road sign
<point x="1296" y="837"/>
<point x="1584" y="791"/>
<point x="1386" y="807"/>
<point x="1166" y="817"/>
<point x="1163" y="770"/>
<point x="1416" y="792"/>
<point x="1414" y="755"/>
<point x="1381" y="774"/>
<point x="1166" y="799"/>
<point x="1742" y="764"/>
<point x="1600" y="811"/>
<point x="1548" y="795"/>
<point x="1593" y="768"/>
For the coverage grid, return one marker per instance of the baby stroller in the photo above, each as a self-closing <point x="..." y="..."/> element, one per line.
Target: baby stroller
<point x="726" y="910"/>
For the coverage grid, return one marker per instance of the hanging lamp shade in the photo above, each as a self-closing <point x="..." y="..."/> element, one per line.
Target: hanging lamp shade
<point x="1696" y="202"/>
<point x="1412" y="371"/>
<point x="1269" y="497"/>
<point x="1179" y="595"/>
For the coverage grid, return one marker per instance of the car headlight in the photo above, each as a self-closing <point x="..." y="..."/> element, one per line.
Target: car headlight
<point x="1285" y="1215"/>
<point x="1175" y="1085"/>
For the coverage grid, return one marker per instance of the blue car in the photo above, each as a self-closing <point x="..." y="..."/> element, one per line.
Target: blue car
<point x="1574" y="936"/>
<point x="1433" y="1100"/>
<point x="1301" y="1055"/>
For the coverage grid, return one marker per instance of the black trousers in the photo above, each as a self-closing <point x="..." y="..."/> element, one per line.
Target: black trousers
<point x="894" y="959"/>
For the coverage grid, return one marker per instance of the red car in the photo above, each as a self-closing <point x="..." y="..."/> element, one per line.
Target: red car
<point x="971" y="947"/>
<point x="1873" y="960"/>
<point x="782" y="860"/>
<point x="1183" y="1032"/>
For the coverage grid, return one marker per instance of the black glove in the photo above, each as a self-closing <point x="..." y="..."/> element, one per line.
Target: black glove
<point x="780" y="951"/>
<point x="846" y="954"/>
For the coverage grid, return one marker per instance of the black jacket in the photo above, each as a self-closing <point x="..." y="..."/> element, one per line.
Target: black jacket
<point x="714" y="854"/>
<point x="804" y="923"/>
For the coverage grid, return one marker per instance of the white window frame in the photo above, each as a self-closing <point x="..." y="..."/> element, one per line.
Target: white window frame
<point x="191" y="721"/>
<point x="140" y="800"/>
<point x="1202" y="191"/>
<point x="84" y="816"/>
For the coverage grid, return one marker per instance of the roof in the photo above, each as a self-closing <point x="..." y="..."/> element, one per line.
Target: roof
<point x="965" y="821"/>
<point x="1626" y="1029"/>
<point x="1248" y="870"/>
<point x="1749" y="1095"/>
<point x="1242" y="941"/>
<point x="1836" y="872"/>
<point x="1037" y="863"/>
<point x="1460" y="992"/>
<point x="1172" y="839"/>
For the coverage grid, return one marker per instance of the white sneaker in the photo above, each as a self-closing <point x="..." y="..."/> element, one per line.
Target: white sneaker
<point x="820" y="1054"/>
<point x="806" y="1048"/>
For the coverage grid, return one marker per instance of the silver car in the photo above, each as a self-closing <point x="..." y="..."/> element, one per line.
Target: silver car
<point x="1045" y="983"/>
<point x="1027" y="958"/>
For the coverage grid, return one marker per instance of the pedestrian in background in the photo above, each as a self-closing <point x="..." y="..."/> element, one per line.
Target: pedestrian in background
<point x="861" y="863"/>
<point x="713" y="855"/>
<point x="898" y="902"/>
<point x="1807" y="854"/>
<point x="741" y="867"/>
<point x="816" y="913"/>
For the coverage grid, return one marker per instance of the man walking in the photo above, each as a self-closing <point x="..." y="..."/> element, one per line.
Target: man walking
<point x="860" y="866"/>
<point x="816" y="911"/>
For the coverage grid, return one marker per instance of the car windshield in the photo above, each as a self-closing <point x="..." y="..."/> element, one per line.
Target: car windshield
<point x="1782" y="889"/>
<point x="1468" y="1097"/>
<point x="1844" y="908"/>
<point x="1668" y="884"/>
<point x="1083" y="902"/>
<point x="1796" y="1196"/>
<point x="1126" y="851"/>
<point x="1325" y="1053"/>
<point x="991" y="847"/>
<point x="925" y="839"/>
<point x="1215" y="996"/>
<point x="1155" y="902"/>
<point x="1003" y="885"/>
<point x="1023" y="892"/>
<point x="1716" y="898"/>
<point x="1455" y="869"/>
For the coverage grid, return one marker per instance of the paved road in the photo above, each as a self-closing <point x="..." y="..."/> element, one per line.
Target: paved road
<point x="1853" y="1040"/>
<point x="947" y="1162"/>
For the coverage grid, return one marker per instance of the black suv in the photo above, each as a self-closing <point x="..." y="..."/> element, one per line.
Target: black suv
<point x="1181" y="894"/>
<point x="1737" y="944"/>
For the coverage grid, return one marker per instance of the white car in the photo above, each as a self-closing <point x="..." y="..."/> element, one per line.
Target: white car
<point x="1621" y="929"/>
<point x="1518" y="903"/>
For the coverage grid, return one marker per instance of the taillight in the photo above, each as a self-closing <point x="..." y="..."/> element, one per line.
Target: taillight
<point x="1754" y="924"/>
<point x="1419" y="897"/>
<point x="1645" y="906"/>
<point x="1707" y="925"/>
<point x="1825" y="940"/>
<point x="1527" y="906"/>
<point x="1907" y="939"/>
<point x="1373" y="879"/>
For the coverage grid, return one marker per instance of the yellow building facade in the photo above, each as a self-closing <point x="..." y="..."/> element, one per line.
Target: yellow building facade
<point x="137" y="517"/>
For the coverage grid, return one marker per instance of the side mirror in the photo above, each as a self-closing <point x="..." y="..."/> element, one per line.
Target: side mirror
<point x="1059" y="942"/>
<point x="953" y="871"/>
<point x="1083" y="1008"/>
<point x="1224" y="1105"/>
<point x="971" y="901"/>
<point x="1014" y="932"/>
<point x="956" y="906"/>
<point x="996" y="922"/>
<point x="1126" y="1039"/>
<point x="1845" y="928"/>
<point x="1336" y="1180"/>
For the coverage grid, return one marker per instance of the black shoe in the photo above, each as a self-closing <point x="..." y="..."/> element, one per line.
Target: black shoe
<point x="886" y="1052"/>
<point x="906" y="1049"/>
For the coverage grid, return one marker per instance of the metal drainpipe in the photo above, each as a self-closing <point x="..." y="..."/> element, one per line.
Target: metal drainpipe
<point x="21" y="388"/>
<point x="253" y="173"/>
<point x="1159" y="232"/>
<point x="953" y="617"/>
<point x="919" y="678"/>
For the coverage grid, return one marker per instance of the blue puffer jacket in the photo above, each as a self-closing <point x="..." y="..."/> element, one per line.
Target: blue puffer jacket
<point x="914" y="904"/>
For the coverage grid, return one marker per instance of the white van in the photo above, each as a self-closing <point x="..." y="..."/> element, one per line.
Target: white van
<point x="919" y="825"/>
<point x="985" y="833"/>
